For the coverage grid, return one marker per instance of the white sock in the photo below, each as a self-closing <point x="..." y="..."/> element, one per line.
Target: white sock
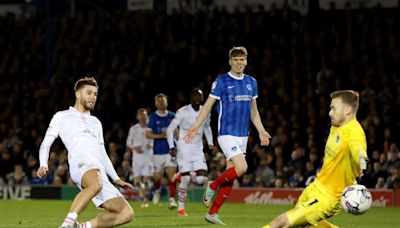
<point x="182" y="191"/>
<point x="86" y="225"/>
<point x="70" y="218"/>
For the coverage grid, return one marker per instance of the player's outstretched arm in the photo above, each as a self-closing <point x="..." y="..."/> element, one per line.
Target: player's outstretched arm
<point x="205" y="110"/>
<point x="124" y="185"/>
<point x="256" y="119"/>
<point x="44" y="155"/>
<point x="108" y="165"/>
<point x="170" y="131"/>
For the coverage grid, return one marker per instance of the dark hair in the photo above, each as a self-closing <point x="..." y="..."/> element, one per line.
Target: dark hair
<point x="349" y="97"/>
<point x="160" y="95"/>
<point x="85" y="81"/>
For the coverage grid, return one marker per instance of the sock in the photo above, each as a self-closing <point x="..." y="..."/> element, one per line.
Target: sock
<point x="266" y="226"/>
<point x="70" y="218"/>
<point x="325" y="224"/>
<point x="182" y="191"/>
<point x="172" y="189"/>
<point x="227" y="176"/>
<point x="200" y="179"/>
<point x="222" y="194"/>
<point x="86" y="225"/>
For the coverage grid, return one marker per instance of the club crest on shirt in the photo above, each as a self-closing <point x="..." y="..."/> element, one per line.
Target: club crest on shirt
<point x="337" y="138"/>
<point x="249" y="87"/>
<point x="234" y="148"/>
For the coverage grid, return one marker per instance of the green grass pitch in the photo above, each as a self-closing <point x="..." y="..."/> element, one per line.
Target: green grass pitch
<point x="50" y="213"/>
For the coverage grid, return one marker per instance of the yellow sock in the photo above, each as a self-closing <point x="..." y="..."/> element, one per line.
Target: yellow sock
<point x="266" y="226"/>
<point x="325" y="224"/>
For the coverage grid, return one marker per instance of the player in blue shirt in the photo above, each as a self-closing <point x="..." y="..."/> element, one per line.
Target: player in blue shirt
<point x="157" y="130"/>
<point x="236" y="94"/>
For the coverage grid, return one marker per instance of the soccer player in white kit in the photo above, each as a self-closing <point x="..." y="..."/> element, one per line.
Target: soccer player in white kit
<point x="190" y="157"/>
<point x="236" y="93"/>
<point x="142" y="155"/>
<point x="90" y="167"/>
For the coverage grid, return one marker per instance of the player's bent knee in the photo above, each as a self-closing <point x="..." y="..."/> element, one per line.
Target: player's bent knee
<point x="126" y="215"/>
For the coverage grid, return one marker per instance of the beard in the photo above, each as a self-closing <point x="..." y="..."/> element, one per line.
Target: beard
<point x="88" y="106"/>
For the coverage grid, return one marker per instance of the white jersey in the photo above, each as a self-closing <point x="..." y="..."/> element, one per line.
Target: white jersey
<point x="184" y="119"/>
<point x="137" y="137"/>
<point x="82" y="135"/>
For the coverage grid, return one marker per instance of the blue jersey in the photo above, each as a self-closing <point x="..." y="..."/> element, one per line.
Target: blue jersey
<point x="234" y="107"/>
<point x="159" y="124"/>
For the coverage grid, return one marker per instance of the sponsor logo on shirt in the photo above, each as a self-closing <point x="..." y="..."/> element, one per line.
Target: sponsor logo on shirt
<point x="234" y="148"/>
<point x="231" y="87"/>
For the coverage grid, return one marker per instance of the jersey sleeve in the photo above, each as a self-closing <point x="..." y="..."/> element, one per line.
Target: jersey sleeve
<point x="217" y="89"/>
<point x="55" y="125"/>
<point x="171" y="128"/>
<point x="51" y="134"/>
<point x="106" y="160"/>
<point x="255" y="88"/>
<point x="358" y="150"/>
<point x="130" y="138"/>
<point x="151" y="123"/>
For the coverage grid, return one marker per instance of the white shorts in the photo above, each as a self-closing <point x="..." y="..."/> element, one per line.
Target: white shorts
<point x="161" y="161"/>
<point x="190" y="158"/>
<point x="143" y="165"/>
<point x="109" y="191"/>
<point x="232" y="145"/>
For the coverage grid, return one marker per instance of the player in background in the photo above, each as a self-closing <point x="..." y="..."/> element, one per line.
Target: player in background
<point x="236" y="93"/>
<point x="345" y="159"/>
<point x="190" y="157"/>
<point x="89" y="165"/>
<point x="142" y="155"/>
<point x="157" y="130"/>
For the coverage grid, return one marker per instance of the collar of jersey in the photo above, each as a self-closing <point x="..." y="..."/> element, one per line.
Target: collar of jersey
<point x="82" y="113"/>
<point x="162" y="115"/>
<point x="236" y="77"/>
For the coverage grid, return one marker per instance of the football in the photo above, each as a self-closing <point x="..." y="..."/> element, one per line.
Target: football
<point x="356" y="199"/>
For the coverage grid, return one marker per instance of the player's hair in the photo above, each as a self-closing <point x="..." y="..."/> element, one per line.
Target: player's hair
<point x="238" y="52"/>
<point x="349" y="97"/>
<point x="141" y="110"/>
<point x="160" y="95"/>
<point x="85" y="81"/>
<point x="196" y="91"/>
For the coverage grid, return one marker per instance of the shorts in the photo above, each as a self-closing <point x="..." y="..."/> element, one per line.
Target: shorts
<point x="109" y="191"/>
<point x="142" y="165"/>
<point x="314" y="204"/>
<point x="161" y="161"/>
<point x="190" y="158"/>
<point x="232" y="145"/>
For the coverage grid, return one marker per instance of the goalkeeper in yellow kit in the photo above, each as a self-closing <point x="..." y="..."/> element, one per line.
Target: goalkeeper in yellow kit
<point x="345" y="159"/>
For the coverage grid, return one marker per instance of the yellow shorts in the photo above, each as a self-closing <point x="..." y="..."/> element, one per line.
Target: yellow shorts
<point x="314" y="204"/>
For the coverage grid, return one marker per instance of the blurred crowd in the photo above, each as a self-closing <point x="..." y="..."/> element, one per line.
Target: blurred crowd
<point x="297" y="60"/>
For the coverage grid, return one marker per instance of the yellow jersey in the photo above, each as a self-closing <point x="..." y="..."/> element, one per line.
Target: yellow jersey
<point x="341" y="164"/>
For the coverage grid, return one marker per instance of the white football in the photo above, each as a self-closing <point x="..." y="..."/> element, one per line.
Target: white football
<point x="356" y="199"/>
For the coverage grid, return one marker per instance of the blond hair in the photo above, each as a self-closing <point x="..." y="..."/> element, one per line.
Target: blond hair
<point x="238" y="51"/>
<point x="349" y="97"/>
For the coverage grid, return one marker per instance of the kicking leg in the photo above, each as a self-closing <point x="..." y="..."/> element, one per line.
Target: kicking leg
<point x="91" y="186"/>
